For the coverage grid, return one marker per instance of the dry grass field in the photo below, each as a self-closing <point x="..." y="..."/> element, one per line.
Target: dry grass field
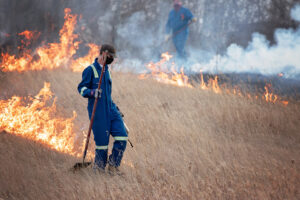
<point x="188" y="144"/>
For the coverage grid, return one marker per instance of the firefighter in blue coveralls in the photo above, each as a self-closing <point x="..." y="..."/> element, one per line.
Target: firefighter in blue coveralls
<point x="178" y="22"/>
<point x="107" y="119"/>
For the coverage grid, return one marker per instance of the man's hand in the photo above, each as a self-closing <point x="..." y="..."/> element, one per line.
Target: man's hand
<point x="194" y="19"/>
<point x="96" y="93"/>
<point x="167" y="37"/>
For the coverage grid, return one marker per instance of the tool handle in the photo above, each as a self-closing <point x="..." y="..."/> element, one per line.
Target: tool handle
<point x="127" y="130"/>
<point x="93" y="113"/>
<point x="130" y="143"/>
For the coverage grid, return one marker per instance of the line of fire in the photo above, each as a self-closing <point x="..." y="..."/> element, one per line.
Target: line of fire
<point x="18" y="118"/>
<point x="37" y="93"/>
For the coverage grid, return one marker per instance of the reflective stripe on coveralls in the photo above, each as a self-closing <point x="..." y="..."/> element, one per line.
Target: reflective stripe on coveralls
<point x="109" y="74"/>
<point x="120" y="138"/>
<point x="82" y="90"/>
<point x="102" y="147"/>
<point x="96" y="75"/>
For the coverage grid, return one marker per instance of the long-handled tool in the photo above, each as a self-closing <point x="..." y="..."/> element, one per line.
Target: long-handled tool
<point x="83" y="164"/>
<point x="126" y="127"/>
<point x="127" y="130"/>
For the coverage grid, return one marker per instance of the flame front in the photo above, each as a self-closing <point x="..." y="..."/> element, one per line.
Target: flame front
<point x="161" y="72"/>
<point x="53" y="55"/>
<point x="37" y="121"/>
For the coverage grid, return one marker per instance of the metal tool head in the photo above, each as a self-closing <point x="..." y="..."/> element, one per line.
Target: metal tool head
<point x="81" y="165"/>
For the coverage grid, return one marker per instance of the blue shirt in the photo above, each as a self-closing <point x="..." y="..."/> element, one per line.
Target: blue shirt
<point x="178" y="20"/>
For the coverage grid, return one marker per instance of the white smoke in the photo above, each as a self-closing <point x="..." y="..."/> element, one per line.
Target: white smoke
<point x="140" y="39"/>
<point x="260" y="56"/>
<point x="139" y="35"/>
<point x="295" y="13"/>
<point x="128" y="36"/>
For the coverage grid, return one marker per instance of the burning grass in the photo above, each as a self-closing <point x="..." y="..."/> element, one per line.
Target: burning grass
<point x="37" y="121"/>
<point x="52" y="55"/>
<point x="164" y="71"/>
<point x="200" y="141"/>
<point x="189" y="144"/>
<point x="160" y="72"/>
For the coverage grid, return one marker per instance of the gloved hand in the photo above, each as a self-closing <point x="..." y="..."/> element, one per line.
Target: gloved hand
<point x="167" y="37"/>
<point x="194" y="19"/>
<point x="96" y="93"/>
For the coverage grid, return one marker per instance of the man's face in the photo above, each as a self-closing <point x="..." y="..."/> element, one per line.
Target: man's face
<point x="109" y="58"/>
<point x="177" y="6"/>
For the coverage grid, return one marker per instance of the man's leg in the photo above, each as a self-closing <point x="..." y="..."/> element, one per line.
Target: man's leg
<point x="101" y="137"/>
<point x="119" y="134"/>
<point x="101" y="140"/>
<point x="179" y="43"/>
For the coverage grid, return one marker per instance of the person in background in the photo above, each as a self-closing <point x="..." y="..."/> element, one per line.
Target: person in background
<point x="177" y="27"/>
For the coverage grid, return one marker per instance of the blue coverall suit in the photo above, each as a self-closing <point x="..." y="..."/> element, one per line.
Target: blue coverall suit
<point x="107" y="117"/>
<point x="178" y="24"/>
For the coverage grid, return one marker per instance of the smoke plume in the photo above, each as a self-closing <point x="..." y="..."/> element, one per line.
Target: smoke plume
<point x="260" y="56"/>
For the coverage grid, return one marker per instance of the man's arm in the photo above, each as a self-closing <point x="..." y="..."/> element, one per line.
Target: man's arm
<point x="85" y="84"/>
<point x="188" y="14"/>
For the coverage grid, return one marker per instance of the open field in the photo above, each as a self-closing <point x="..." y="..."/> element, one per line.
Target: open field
<point x="188" y="144"/>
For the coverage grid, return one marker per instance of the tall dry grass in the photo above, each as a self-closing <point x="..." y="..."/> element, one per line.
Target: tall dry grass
<point x="188" y="144"/>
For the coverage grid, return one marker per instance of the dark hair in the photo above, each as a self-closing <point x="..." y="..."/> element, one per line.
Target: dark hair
<point x="109" y="48"/>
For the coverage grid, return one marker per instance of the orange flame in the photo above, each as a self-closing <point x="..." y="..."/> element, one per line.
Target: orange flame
<point x="214" y="85"/>
<point x="160" y="72"/>
<point x="269" y="97"/>
<point x="37" y="121"/>
<point x="79" y="64"/>
<point x="202" y="84"/>
<point x="53" y="55"/>
<point x="29" y="37"/>
<point x="29" y="34"/>
<point x="280" y="74"/>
